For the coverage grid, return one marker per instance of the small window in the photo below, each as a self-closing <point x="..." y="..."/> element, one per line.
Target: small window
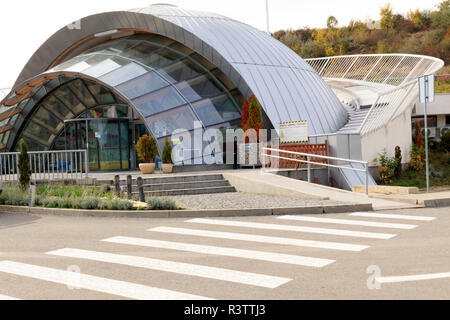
<point x="447" y="120"/>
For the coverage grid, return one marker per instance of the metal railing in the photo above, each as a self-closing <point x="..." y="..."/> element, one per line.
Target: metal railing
<point x="47" y="165"/>
<point x="309" y="161"/>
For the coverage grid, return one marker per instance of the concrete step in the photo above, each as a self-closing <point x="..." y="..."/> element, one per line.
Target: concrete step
<point x="186" y="192"/>
<point x="176" y="179"/>
<point x="181" y="185"/>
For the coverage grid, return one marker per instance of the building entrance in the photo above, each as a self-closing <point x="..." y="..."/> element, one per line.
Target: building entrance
<point x="108" y="142"/>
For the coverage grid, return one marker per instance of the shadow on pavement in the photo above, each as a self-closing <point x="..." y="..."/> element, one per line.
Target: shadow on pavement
<point x="8" y="220"/>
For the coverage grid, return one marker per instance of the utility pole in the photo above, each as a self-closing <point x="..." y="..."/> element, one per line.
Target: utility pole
<point x="267" y="16"/>
<point x="426" y="95"/>
<point x="426" y="134"/>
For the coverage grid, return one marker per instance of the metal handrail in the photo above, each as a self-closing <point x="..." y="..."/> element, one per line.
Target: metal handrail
<point x="309" y="157"/>
<point x="46" y="165"/>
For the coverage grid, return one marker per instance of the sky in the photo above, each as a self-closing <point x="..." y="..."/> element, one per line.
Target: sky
<point x="25" y="25"/>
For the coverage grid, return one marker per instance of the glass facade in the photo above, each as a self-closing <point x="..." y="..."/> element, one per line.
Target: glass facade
<point x="170" y="85"/>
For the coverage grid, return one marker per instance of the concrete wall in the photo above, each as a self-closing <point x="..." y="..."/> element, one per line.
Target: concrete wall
<point x="319" y="176"/>
<point x="397" y="133"/>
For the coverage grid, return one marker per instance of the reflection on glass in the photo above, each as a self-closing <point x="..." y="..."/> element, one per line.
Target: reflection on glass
<point x="159" y="101"/>
<point x="139" y="86"/>
<point x="164" y="124"/>
<point x="82" y="93"/>
<point x="125" y="73"/>
<point x="69" y="100"/>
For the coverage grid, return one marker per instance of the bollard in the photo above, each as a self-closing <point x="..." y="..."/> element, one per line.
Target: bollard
<point x="140" y="183"/>
<point x="117" y="185"/>
<point x="129" y="187"/>
<point x="32" y="198"/>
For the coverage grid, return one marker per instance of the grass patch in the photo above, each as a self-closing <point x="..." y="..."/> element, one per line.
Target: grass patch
<point x="439" y="173"/>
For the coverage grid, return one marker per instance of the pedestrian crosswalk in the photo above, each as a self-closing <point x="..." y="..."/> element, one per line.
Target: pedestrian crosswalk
<point x="244" y="240"/>
<point x="266" y="226"/>
<point x="177" y="267"/>
<point x="262" y="239"/>
<point x="83" y="281"/>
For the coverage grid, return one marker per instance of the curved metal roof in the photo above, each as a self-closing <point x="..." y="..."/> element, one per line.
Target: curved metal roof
<point x="287" y="87"/>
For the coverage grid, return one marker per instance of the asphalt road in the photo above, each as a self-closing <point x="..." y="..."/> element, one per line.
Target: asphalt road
<point x="255" y="258"/>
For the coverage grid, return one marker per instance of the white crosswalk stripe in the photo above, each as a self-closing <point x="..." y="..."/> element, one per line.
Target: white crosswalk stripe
<point x="5" y="298"/>
<point x="391" y="216"/>
<point x="83" y="281"/>
<point x="349" y="222"/>
<point x="262" y="239"/>
<point x="248" y="278"/>
<point x="265" y="226"/>
<point x="220" y="251"/>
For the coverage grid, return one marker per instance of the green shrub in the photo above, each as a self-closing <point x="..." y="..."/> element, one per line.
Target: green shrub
<point x="24" y="166"/>
<point x="51" y="202"/>
<point x="146" y="148"/>
<point x="387" y="167"/>
<point x="167" y="153"/>
<point x="417" y="161"/>
<point x="445" y="141"/>
<point x="14" y="196"/>
<point x="161" y="204"/>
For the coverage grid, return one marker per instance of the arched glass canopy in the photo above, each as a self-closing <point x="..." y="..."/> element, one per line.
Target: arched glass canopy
<point x="168" y="84"/>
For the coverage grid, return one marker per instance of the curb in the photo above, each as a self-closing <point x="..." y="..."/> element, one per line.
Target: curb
<point x="189" y="213"/>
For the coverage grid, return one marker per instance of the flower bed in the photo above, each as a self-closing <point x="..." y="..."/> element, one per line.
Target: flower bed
<point x="78" y="197"/>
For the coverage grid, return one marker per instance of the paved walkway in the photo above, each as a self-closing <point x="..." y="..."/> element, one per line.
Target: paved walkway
<point x="291" y="187"/>
<point x="419" y="199"/>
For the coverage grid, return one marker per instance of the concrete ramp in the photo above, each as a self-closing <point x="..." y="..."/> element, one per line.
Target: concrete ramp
<point x="355" y="178"/>
<point x="258" y="182"/>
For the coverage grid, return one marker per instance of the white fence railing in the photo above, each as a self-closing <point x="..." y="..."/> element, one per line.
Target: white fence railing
<point x="47" y="165"/>
<point x="394" y="76"/>
<point x="299" y="156"/>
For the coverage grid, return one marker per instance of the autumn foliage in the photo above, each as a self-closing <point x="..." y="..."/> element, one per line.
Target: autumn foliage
<point x="252" y="115"/>
<point x="417" y="32"/>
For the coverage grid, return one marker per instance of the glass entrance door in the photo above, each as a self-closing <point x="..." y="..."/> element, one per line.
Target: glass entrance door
<point x="107" y="142"/>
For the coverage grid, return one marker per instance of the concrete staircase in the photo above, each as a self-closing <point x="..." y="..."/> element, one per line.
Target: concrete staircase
<point x="182" y="185"/>
<point x="356" y="118"/>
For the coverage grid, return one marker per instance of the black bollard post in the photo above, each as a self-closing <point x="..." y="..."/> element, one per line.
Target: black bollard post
<point x="140" y="183"/>
<point x="117" y="186"/>
<point x="129" y="187"/>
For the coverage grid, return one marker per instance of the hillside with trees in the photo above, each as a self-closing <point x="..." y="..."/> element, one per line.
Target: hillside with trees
<point x="418" y="32"/>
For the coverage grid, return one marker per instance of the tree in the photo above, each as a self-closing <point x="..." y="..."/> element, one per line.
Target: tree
<point x="146" y="148"/>
<point x="24" y="166"/>
<point x="398" y="158"/>
<point x="421" y="20"/>
<point x="332" y="22"/>
<point x="441" y="18"/>
<point x="382" y="47"/>
<point x="387" y="17"/>
<point x="253" y="116"/>
<point x="244" y="116"/>
<point x="167" y="153"/>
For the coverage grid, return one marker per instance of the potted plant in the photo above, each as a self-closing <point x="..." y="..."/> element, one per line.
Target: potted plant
<point x="146" y="151"/>
<point x="167" y="166"/>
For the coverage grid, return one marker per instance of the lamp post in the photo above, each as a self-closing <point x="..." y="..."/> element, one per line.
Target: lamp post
<point x="267" y="16"/>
